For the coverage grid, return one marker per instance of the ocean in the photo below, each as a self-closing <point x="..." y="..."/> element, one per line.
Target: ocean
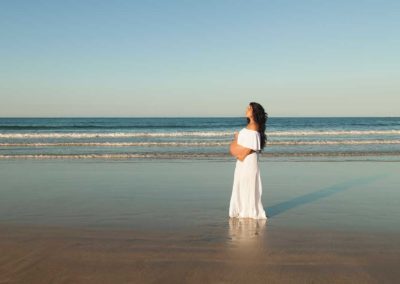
<point x="288" y="138"/>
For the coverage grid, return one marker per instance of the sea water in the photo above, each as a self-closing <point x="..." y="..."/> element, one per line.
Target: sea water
<point x="288" y="138"/>
<point x="171" y="195"/>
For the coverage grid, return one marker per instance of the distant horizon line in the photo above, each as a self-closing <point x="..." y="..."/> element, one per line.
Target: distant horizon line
<point x="1" y="117"/>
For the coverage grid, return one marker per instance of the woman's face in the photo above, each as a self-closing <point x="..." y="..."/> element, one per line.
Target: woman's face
<point x="249" y="111"/>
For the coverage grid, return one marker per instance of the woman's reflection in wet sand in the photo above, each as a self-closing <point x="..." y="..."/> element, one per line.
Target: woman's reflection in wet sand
<point x="246" y="239"/>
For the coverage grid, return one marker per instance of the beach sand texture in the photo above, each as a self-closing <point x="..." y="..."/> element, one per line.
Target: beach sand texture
<point x="164" y="222"/>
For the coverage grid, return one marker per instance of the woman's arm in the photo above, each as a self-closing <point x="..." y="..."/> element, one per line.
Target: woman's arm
<point x="239" y="151"/>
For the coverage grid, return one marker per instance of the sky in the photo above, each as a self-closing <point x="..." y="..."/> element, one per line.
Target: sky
<point x="199" y="58"/>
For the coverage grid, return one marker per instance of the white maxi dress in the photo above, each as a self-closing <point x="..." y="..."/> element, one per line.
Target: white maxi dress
<point x="247" y="188"/>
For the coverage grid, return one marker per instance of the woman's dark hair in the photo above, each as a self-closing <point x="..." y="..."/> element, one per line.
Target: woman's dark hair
<point x="260" y="117"/>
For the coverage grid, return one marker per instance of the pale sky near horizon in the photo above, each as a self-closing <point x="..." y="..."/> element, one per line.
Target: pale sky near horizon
<point x="199" y="58"/>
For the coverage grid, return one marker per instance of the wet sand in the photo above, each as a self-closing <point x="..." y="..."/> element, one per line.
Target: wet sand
<point x="91" y="222"/>
<point x="244" y="254"/>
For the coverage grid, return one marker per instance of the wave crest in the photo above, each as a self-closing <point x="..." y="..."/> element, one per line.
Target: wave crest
<point x="190" y="134"/>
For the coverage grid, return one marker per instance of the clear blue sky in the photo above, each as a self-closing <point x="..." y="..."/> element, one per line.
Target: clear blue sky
<point x="199" y="58"/>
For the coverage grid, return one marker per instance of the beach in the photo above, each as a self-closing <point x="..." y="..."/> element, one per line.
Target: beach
<point x="134" y="221"/>
<point x="130" y="132"/>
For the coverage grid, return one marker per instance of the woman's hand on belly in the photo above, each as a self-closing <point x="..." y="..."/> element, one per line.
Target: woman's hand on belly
<point x="243" y="156"/>
<point x="239" y="151"/>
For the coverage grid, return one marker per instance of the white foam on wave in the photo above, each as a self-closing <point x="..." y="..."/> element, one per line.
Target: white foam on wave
<point x="336" y="132"/>
<point x="336" y="142"/>
<point x="117" y="156"/>
<point x="193" y="155"/>
<point x="115" y="144"/>
<point x="112" y="134"/>
<point x="189" y="134"/>
<point x="195" y="144"/>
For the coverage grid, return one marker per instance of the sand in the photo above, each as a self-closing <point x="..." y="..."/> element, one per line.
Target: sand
<point x="39" y="254"/>
<point x="162" y="222"/>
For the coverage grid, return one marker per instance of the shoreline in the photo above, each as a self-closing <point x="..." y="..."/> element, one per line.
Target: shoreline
<point x="214" y="157"/>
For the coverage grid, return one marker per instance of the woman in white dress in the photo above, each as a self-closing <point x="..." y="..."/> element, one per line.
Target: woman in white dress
<point x="247" y="188"/>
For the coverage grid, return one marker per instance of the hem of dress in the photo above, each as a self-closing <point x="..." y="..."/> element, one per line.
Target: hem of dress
<point x="246" y="217"/>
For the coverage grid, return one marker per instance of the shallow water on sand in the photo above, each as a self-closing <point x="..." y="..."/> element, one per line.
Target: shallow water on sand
<point x="183" y="195"/>
<point x="91" y="221"/>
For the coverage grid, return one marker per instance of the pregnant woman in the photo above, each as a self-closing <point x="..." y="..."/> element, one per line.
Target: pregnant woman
<point x="247" y="188"/>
